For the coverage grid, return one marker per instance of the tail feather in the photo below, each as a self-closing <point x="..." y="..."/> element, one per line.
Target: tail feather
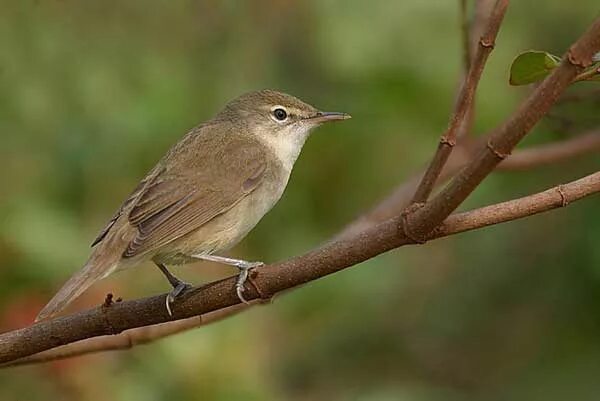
<point x="95" y="269"/>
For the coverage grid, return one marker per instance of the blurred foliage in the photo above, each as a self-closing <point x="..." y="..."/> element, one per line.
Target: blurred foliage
<point x="93" y="93"/>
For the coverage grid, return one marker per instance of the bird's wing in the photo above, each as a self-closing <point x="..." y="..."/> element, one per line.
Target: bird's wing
<point x="182" y="197"/>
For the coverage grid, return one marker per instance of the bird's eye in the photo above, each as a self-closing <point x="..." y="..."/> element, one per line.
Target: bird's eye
<point x="280" y="114"/>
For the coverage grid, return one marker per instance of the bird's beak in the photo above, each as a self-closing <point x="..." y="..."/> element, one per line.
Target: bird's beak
<point x="324" y="116"/>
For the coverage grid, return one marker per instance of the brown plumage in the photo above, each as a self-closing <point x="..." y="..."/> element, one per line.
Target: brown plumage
<point x="208" y="191"/>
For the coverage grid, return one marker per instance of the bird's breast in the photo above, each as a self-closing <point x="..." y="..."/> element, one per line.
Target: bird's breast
<point x="227" y="229"/>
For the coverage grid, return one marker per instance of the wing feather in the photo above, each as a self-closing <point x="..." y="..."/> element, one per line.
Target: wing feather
<point x="158" y="196"/>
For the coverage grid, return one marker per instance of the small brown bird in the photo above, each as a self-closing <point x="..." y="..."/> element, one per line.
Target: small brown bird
<point x="205" y="194"/>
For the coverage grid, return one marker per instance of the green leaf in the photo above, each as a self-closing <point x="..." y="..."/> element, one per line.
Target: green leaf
<point x="532" y="66"/>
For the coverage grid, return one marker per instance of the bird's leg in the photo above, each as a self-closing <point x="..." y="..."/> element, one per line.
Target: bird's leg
<point x="243" y="265"/>
<point x="178" y="286"/>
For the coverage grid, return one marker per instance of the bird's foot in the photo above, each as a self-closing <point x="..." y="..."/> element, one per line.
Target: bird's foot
<point x="178" y="289"/>
<point x="243" y="265"/>
<point x="245" y="268"/>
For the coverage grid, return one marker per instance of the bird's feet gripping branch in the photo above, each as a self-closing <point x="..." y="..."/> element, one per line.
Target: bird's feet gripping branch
<point x="179" y="286"/>
<point x="243" y="265"/>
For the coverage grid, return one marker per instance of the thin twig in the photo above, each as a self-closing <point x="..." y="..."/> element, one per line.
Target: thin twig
<point x="465" y="30"/>
<point x="467" y="41"/>
<point x="481" y="15"/>
<point x="463" y="105"/>
<point x="559" y="196"/>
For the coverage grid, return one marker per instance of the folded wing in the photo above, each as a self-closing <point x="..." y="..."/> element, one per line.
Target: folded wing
<point x="182" y="198"/>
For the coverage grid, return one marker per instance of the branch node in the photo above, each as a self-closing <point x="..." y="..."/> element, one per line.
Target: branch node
<point x="130" y="343"/>
<point x="444" y="140"/>
<point x="108" y="302"/>
<point x="405" y="226"/>
<point x="253" y="275"/>
<point x="563" y="196"/>
<point x="487" y="43"/>
<point x="577" y="59"/>
<point x="496" y="152"/>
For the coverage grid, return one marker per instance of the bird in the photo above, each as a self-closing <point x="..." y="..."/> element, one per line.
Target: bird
<point x="204" y="196"/>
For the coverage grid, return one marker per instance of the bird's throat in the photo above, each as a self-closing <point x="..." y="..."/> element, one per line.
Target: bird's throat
<point x="286" y="145"/>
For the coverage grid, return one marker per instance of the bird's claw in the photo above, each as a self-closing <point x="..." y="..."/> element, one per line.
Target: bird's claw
<point x="176" y="292"/>
<point x="245" y="268"/>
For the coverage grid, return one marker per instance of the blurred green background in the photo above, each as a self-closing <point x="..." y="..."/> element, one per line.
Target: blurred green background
<point x="94" y="92"/>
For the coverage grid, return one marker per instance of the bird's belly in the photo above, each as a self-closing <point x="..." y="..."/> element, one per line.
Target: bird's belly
<point x="223" y="231"/>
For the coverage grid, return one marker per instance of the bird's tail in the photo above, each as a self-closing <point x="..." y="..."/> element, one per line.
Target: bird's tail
<point x="97" y="267"/>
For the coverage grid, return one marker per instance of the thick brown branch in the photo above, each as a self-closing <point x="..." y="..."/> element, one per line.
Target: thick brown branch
<point x="463" y="105"/>
<point x="515" y="209"/>
<point x="129" y="338"/>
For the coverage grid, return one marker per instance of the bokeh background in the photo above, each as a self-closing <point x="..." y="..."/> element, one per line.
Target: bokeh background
<point x="93" y="93"/>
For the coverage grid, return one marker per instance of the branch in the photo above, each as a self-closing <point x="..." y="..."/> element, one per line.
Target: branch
<point x="483" y="10"/>
<point x="559" y="196"/>
<point x="267" y="281"/>
<point x="463" y="105"/>
<point x="556" y="197"/>
<point x="503" y="140"/>
<point x="481" y="15"/>
<point x="465" y="31"/>
<point x="129" y="338"/>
